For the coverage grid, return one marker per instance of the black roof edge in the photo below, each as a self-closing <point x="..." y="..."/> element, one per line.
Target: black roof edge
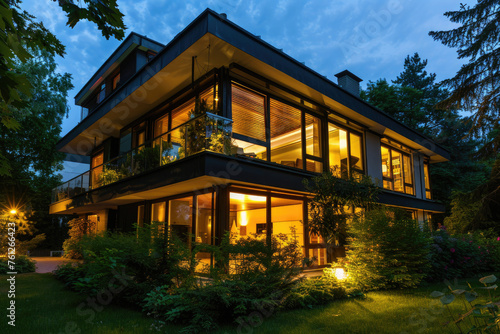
<point x="127" y="42"/>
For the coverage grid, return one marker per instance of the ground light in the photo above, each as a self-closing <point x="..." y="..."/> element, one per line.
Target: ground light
<point x="13" y="211"/>
<point x="340" y="273"/>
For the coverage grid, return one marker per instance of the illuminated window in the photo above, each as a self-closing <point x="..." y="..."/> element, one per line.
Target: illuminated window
<point x="340" y="143"/>
<point x="427" y="180"/>
<point x="161" y="126"/>
<point x="248" y="109"/>
<point x="286" y="134"/>
<point x="397" y="172"/>
<point x="96" y="165"/>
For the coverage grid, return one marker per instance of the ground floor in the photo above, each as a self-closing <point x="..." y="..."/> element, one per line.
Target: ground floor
<point x="206" y="215"/>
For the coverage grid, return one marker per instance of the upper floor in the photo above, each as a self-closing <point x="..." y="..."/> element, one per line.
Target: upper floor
<point x="216" y="87"/>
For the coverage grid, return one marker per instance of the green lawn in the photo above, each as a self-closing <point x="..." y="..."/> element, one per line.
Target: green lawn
<point x="45" y="306"/>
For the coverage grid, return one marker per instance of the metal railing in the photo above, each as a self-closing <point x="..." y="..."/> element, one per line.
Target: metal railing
<point x="207" y="132"/>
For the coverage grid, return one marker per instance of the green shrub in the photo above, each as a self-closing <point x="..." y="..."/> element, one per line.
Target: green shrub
<point x="250" y="276"/>
<point x="23" y="264"/>
<point x="132" y="263"/>
<point x="316" y="291"/>
<point x="386" y="250"/>
<point x="454" y="256"/>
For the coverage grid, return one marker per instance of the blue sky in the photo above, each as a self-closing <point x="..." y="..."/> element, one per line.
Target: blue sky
<point x="369" y="38"/>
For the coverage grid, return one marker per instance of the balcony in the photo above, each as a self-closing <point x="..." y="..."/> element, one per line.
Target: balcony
<point x="207" y="132"/>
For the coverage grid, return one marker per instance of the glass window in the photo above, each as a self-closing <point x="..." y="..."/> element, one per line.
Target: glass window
<point x="356" y="151"/>
<point x="286" y="218"/>
<point x="248" y="149"/>
<point x="97" y="168"/>
<point x="180" y="115"/>
<point x="208" y="96"/>
<point x="248" y="110"/>
<point x="247" y="214"/>
<point x="161" y="126"/>
<point x="337" y="145"/>
<point x="427" y="181"/>
<point x="180" y="214"/>
<point x="204" y="219"/>
<point x="313" y="136"/>
<point x="102" y="93"/>
<point x="286" y="134"/>
<point x="397" y="171"/>
<point x="126" y="141"/>
<point x="158" y="212"/>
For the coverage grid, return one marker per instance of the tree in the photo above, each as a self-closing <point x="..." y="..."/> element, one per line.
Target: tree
<point x="476" y="86"/>
<point x="20" y="34"/>
<point x="412" y="97"/>
<point x="334" y="203"/>
<point x="32" y="153"/>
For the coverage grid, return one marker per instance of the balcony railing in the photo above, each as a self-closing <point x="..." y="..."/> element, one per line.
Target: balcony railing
<point x="207" y="132"/>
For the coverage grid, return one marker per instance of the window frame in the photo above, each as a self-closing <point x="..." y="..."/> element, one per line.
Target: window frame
<point x="348" y="130"/>
<point x="427" y="163"/>
<point x="391" y="178"/>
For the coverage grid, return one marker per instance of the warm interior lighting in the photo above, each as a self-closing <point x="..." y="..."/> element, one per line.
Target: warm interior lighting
<point x="244" y="219"/>
<point x="246" y="198"/>
<point x="340" y="273"/>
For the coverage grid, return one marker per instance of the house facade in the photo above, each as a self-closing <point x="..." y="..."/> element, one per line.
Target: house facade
<point x="216" y="132"/>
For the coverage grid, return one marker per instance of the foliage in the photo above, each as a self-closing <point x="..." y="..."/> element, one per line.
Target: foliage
<point x="475" y="86"/>
<point x="251" y="275"/>
<point x="481" y="317"/>
<point x="21" y="38"/>
<point x="194" y="133"/>
<point x="78" y="228"/>
<point x="133" y="263"/>
<point x="477" y="209"/>
<point x="23" y="265"/>
<point x="333" y="203"/>
<point x="316" y="291"/>
<point x="412" y="97"/>
<point x="23" y="234"/>
<point x="386" y="250"/>
<point x="32" y="154"/>
<point x="455" y="256"/>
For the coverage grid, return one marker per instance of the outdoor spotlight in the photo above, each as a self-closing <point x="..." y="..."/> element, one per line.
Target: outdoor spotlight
<point x="340" y="273"/>
<point x="13" y="211"/>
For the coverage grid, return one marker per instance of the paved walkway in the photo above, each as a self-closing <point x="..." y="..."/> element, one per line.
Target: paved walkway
<point x="48" y="264"/>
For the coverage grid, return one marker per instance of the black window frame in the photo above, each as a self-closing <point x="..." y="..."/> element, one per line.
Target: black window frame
<point x="391" y="179"/>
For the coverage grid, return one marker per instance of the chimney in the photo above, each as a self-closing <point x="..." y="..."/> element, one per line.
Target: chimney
<point x="349" y="82"/>
<point x="223" y="15"/>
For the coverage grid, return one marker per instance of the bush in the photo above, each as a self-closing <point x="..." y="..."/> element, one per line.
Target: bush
<point x="250" y="276"/>
<point x="23" y="264"/>
<point x="386" y="250"/>
<point x="316" y="291"/>
<point x="78" y="228"/>
<point x="462" y="255"/>
<point x="133" y="264"/>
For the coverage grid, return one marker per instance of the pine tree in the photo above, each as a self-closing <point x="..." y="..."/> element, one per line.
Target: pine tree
<point x="476" y="86"/>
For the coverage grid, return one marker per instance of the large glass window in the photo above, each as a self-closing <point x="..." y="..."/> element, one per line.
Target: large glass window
<point x="97" y="168"/>
<point x="313" y="144"/>
<point x="286" y="134"/>
<point x="247" y="215"/>
<point x="248" y="110"/>
<point x="180" y="217"/>
<point x="161" y="126"/>
<point x="286" y="218"/>
<point x="397" y="171"/>
<point x="346" y="150"/>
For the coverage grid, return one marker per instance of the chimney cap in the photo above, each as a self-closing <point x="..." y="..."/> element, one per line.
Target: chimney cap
<point x="223" y="15"/>
<point x="349" y="74"/>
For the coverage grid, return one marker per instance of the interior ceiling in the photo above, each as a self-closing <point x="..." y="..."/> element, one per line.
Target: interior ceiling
<point x="210" y="52"/>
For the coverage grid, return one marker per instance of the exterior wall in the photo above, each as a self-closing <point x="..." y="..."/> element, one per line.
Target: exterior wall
<point x="373" y="157"/>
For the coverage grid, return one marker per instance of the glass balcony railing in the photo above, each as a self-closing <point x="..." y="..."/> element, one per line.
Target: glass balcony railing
<point x="207" y="132"/>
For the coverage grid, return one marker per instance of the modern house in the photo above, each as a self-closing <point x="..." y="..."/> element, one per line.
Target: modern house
<point x="216" y="131"/>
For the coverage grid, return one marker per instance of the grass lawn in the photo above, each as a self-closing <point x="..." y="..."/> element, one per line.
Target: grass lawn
<point x="43" y="305"/>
